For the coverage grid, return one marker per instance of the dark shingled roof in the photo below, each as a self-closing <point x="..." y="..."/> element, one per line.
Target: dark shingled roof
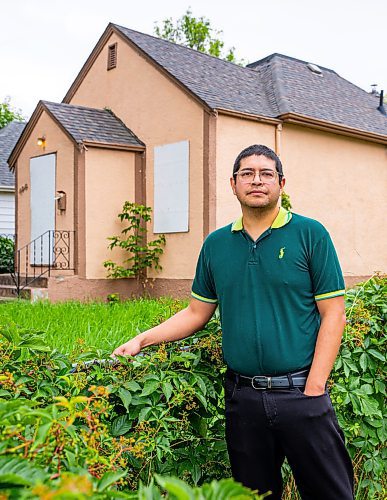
<point x="271" y="87"/>
<point x="92" y="125"/>
<point x="324" y="96"/>
<point x="9" y="135"/>
<point x="217" y="83"/>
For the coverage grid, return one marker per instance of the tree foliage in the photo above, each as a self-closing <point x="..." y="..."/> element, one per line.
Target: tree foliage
<point x="8" y="113"/>
<point x="195" y="33"/>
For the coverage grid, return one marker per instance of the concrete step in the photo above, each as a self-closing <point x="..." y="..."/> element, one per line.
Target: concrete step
<point x="6" y="279"/>
<point x="3" y="300"/>
<point x="9" y="292"/>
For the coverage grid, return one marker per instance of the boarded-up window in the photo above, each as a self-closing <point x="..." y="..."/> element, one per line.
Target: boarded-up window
<point x="112" y="56"/>
<point x="171" y="188"/>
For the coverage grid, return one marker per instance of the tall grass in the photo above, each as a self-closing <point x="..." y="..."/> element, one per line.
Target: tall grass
<point x="70" y="325"/>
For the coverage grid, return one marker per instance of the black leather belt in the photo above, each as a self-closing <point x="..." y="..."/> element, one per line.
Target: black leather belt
<point x="261" y="382"/>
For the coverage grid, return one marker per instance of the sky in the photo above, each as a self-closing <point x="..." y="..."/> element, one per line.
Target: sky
<point x="44" y="44"/>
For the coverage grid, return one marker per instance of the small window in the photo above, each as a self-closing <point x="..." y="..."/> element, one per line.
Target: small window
<point x="112" y="56"/>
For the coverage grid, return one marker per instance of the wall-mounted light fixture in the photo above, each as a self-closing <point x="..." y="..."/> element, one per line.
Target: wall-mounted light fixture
<point x="41" y="142"/>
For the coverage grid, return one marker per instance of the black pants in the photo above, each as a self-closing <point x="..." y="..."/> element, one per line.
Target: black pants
<point x="265" y="426"/>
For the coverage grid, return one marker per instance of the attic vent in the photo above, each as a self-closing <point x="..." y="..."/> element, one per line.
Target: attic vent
<point x="314" y="68"/>
<point x="112" y="56"/>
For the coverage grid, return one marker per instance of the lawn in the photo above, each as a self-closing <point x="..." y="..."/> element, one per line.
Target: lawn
<point x="69" y="326"/>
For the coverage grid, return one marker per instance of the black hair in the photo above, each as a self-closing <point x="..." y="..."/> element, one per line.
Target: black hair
<point x="258" y="150"/>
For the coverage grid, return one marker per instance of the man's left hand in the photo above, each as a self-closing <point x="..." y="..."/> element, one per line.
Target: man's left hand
<point x="314" y="389"/>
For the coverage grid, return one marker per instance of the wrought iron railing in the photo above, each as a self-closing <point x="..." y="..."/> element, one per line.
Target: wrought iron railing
<point x="52" y="250"/>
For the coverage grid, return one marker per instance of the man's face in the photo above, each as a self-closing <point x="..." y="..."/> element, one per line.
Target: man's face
<point x="258" y="192"/>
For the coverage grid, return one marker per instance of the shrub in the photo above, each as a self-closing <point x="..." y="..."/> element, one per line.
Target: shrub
<point x="7" y="250"/>
<point x="141" y="255"/>
<point x="359" y="384"/>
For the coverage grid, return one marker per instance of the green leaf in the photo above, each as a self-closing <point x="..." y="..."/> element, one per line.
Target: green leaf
<point x="167" y="390"/>
<point x="149" y="387"/>
<point x="144" y="413"/>
<point x="41" y="435"/>
<point x="132" y="385"/>
<point x="363" y="361"/>
<point x="121" y="425"/>
<point x="380" y="387"/>
<point x="176" y="487"/>
<point x="125" y="396"/>
<point x="110" y="478"/>
<point x="376" y="354"/>
<point x="19" y="472"/>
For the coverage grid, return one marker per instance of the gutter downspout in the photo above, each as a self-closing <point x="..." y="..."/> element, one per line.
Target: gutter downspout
<point x="278" y="138"/>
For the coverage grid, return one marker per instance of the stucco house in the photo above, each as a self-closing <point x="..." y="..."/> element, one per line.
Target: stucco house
<point x="150" y="121"/>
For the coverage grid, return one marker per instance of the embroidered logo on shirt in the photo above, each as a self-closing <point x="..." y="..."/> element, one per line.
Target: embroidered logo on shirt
<point x="281" y="252"/>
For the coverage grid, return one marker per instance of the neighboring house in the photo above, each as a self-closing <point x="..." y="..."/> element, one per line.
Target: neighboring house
<point x="178" y="119"/>
<point x="9" y="135"/>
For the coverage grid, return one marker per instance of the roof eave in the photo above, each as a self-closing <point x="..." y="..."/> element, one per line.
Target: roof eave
<point x="109" y="145"/>
<point x="249" y="116"/>
<point x="336" y="128"/>
<point x="28" y="130"/>
<point x="111" y="28"/>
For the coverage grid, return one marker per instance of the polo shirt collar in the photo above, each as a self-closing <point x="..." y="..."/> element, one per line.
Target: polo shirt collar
<point x="283" y="217"/>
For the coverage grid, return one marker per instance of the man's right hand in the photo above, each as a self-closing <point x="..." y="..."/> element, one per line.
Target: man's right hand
<point x="130" y="348"/>
<point x="181" y="325"/>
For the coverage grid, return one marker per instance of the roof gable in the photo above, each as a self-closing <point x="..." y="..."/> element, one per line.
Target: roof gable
<point x="277" y="87"/>
<point x="84" y="126"/>
<point x="91" y="125"/>
<point x="218" y="83"/>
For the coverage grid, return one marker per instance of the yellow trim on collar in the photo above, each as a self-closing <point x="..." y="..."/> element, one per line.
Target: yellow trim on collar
<point x="238" y="225"/>
<point x="283" y="217"/>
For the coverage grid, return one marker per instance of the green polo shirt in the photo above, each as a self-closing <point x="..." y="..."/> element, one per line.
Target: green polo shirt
<point x="267" y="291"/>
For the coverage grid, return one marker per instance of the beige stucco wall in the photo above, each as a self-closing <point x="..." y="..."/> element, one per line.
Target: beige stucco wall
<point x="325" y="180"/>
<point x="109" y="180"/>
<point x="341" y="182"/>
<point x="232" y="136"/>
<point x="56" y="142"/>
<point x="159" y="113"/>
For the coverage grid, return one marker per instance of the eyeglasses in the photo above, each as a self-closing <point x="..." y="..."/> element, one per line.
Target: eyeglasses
<point x="247" y="176"/>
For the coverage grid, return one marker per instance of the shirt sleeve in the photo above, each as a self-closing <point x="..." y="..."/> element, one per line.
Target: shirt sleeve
<point x="327" y="277"/>
<point x="203" y="285"/>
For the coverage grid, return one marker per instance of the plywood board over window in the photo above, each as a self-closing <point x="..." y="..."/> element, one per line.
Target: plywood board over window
<point x="171" y="188"/>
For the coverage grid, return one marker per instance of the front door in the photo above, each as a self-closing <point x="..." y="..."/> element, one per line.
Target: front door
<point x="42" y="172"/>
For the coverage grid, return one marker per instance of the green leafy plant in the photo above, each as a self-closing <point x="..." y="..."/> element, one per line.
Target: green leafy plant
<point x="142" y="255"/>
<point x="7" y="251"/>
<point x="359" y="384"/>
<point x="285" y="201"/>
<point x="113" y="298"/>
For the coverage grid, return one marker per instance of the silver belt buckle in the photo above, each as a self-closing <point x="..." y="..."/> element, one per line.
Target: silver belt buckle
<point x="261" y="378"/>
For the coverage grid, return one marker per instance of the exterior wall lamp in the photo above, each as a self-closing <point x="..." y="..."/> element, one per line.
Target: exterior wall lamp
<point x="41" y="142"/>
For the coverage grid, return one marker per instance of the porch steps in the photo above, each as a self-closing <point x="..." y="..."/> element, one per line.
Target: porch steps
<point x="34" y="290"/>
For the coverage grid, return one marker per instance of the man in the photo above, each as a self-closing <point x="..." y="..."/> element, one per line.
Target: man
<point x="279" y="287"/>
